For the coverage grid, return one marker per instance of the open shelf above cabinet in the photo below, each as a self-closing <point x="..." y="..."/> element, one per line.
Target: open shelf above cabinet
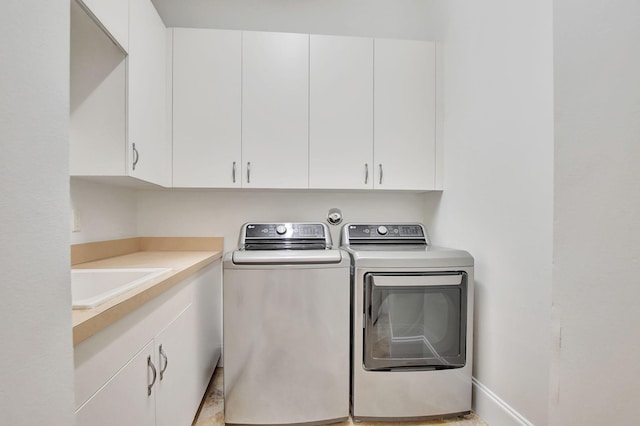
<point x="97" y="132"/>
<point x="118" y="101"/>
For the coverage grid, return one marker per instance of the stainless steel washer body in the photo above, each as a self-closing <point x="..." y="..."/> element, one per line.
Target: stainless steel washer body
<point x="412" y="323"/>
<point x="286" y="328"/>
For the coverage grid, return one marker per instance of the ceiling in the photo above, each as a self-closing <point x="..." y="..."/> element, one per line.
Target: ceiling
<point x="412" y="19"/>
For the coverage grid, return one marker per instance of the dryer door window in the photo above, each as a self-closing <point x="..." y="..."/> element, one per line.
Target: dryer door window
<point x="415" y="321"/>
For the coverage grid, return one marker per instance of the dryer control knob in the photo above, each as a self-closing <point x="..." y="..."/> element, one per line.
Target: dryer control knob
<point x="382" y="230"/>
<point x="281" y="229"/>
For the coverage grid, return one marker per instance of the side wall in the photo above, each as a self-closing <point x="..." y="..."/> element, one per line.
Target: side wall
<point x="498" y="194"/>
<point x="36" y="357"/>
<point x="597" y="212"/>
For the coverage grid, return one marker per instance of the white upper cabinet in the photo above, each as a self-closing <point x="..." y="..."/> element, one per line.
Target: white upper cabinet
<point x="275" y="110"/>
<point x="149" y="146"/>
<point x="113" y="16"/>
<point x="118" y="100"/>
<point x="404" y="115"/>
<point x="206" y="108"/>
<point x="341" y="112"/>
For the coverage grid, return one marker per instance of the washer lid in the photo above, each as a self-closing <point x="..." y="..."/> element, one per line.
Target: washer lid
<point x="290" y="257"/>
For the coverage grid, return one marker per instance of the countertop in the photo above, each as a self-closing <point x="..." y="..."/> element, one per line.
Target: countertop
<point x="183" y="262"/>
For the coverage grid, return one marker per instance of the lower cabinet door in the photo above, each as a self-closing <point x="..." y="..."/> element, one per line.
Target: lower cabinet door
<point x="125" y="399"/>
<point x="178" y="395"/>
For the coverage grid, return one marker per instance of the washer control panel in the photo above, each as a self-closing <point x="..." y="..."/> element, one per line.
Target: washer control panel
<point x="376" y="233"/>
<point x="285" y="236"/>
<point x="284" y="230"/>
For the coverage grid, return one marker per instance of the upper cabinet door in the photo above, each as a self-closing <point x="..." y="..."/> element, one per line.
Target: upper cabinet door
<point x="404" y="114"/>
<point x="341" y="112"/>
<point x="206" y="108"/>
<point x="275" y="110"/>
<point x="150" y="158"/>
<point x="113" y="15"/>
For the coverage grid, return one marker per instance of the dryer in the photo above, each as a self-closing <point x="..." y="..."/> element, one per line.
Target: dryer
<point x="412" y="323"/>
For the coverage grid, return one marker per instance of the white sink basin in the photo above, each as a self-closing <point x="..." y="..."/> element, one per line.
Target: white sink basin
<point x="92" y="287"/>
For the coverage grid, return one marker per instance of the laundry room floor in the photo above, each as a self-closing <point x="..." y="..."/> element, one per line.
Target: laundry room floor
<point x="212" y="411"/>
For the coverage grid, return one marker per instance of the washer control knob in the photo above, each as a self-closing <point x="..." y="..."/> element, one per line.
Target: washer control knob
<point x="281" y="229"/>
<point x="382" y="230"/>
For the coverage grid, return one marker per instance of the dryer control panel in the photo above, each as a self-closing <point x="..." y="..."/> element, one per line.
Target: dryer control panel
<point x="377" y="233"/>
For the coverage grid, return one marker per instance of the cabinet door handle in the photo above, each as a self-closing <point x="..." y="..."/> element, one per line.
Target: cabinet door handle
<point x="166" y="362"/>
<point x="233" y="172"/>
<point x="153" y="370"/>
<point x="380" y="165"/>
<point x="136" y="156"/>
<point x="248" y="171"/>
<point x="366" y="173"/>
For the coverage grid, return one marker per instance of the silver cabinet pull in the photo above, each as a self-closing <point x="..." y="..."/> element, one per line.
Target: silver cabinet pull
<point x="166" y="362"/>
<point x="136" y="156"/>
<point x="366" y="173"/>
<point x="248" y="171"/>
<point x="153" y="369"/>
<point x="233" y="172"/>
<point x="380" y="165"/>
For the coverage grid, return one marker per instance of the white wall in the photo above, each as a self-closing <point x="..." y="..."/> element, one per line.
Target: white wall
<point x="109" y="212"/>
<point x="222" y="213"/>
<point x="597" y="212"/>
<point x="36" y="365"/>
<point x="410" y="19"/>
<point x="498" y="194"/>
<point x="106" y="212"/>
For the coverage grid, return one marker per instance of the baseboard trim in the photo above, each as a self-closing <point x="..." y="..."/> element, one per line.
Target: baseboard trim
<point x="494" y="410"/>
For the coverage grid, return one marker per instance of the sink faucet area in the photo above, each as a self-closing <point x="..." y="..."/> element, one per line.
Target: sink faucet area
<point x="92" y="287"/>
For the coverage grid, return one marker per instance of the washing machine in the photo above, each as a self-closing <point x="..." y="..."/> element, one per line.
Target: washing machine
<point x="412" y="322"/>
<point x="286" y="326"/>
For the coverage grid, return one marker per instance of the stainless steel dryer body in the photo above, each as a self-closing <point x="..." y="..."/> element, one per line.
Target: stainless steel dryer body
<point x="412" y="324"/>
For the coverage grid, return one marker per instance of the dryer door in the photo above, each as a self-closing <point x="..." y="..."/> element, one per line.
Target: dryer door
<point x="415" y="321"/>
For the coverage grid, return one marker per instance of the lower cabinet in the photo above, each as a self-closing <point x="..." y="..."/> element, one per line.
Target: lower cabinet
<point x="153" y="366"/>
<point x="123" y="400"/>
<point x="177" y="392"/>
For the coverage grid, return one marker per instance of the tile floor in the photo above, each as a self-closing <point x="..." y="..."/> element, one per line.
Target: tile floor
<point x="212" y="411"/>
